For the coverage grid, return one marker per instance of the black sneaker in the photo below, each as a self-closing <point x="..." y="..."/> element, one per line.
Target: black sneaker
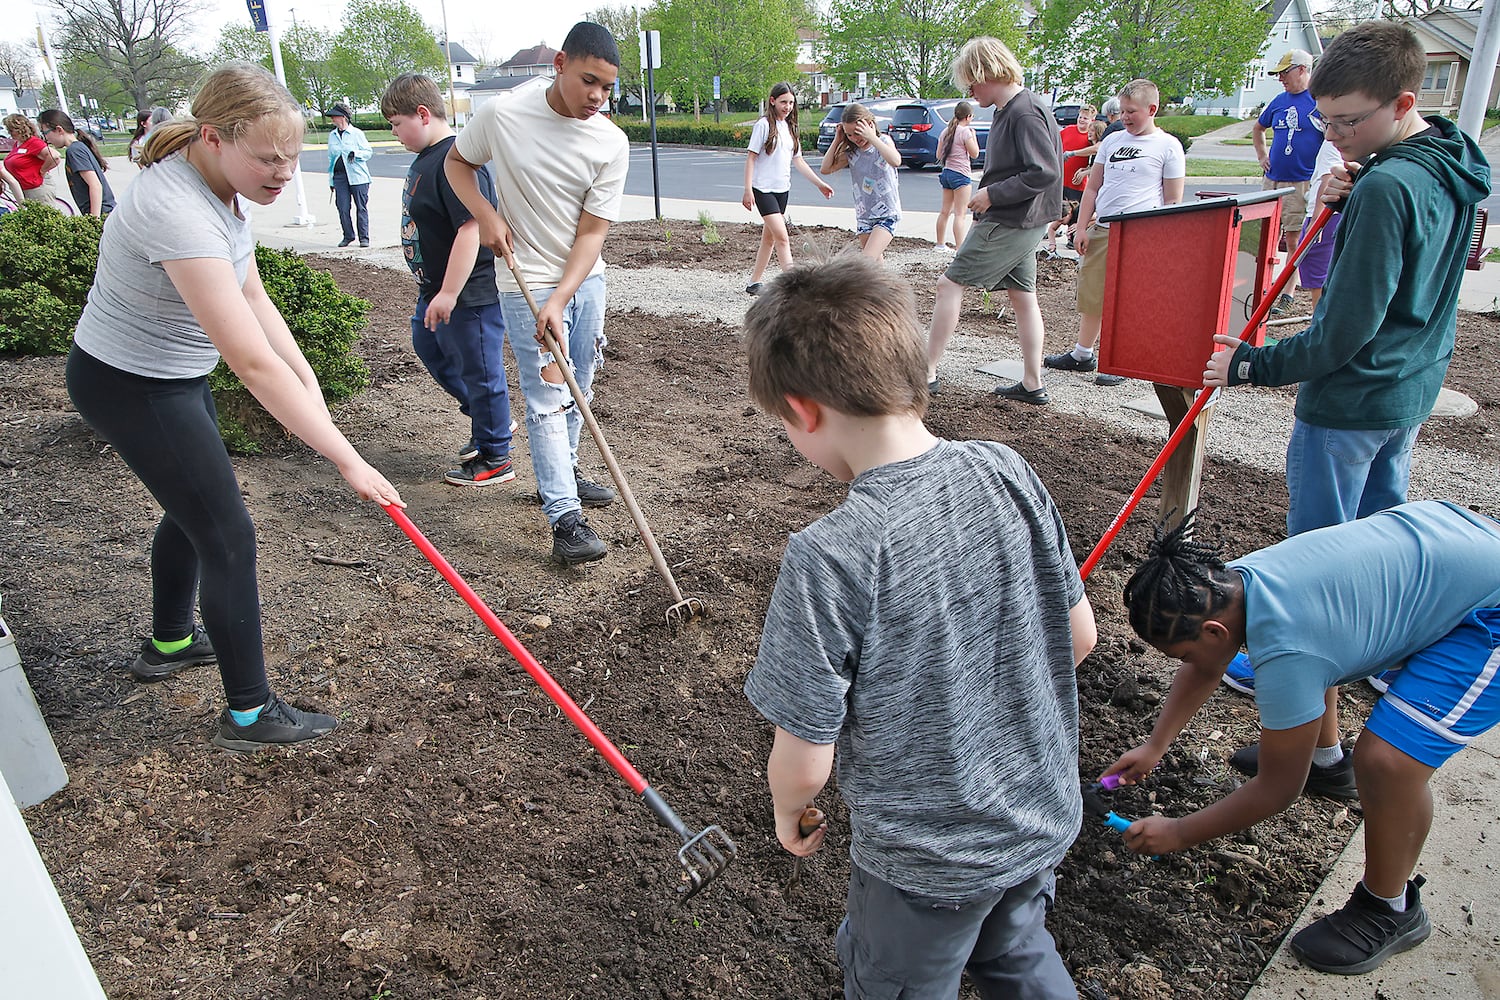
<point x="468" y="451"/>
<point x="1068" y="362"/>
<point x="154" y="665"/>
<point x="1021" y="394"/>
<point x="753" y="288"/>
<point x="364" y="243"/>
<point x="481" y="471"/>
<point x="279" y="723"/>
<point x="590" y="493"/>
<point x="574" y="542"/>
<point x="1108" y="379"/>
<point x="1364" y="933"/>
<point x="1284" y="304"/>
<point x="1335" y="782"/>
<point x="345" y="242"/>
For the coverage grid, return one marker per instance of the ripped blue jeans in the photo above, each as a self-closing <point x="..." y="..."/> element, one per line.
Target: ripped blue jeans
<point x="553" y="422"/>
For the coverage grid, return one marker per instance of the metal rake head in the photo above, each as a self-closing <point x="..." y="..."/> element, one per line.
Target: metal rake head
<point x="685" y="610"/>
<point x="703" y="857"/>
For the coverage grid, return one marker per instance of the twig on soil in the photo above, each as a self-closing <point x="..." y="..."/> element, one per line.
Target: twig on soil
<point x="284" y="920"/>
<point x="336" y="561"/>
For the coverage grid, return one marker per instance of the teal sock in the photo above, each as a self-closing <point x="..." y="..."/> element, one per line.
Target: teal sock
<point x="1328" y="756"/>
<point x="247" y="717"/>
<point x="175" y="646"/>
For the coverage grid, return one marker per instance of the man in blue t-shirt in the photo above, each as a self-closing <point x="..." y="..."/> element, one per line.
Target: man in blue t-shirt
<point x="1413" y="590"/>
<point x="457" y="329"/>
<point x="1288" y="161"/>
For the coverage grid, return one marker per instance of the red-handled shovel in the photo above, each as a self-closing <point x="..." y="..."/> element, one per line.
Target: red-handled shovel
<point x="703" y="855"/>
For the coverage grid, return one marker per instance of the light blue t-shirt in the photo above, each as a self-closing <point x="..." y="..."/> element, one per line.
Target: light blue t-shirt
<point x="1335" y="605"/>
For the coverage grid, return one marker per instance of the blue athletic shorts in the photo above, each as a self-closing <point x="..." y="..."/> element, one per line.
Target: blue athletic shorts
<point x="954" y="179"/>
<point x="1446" y="695"/>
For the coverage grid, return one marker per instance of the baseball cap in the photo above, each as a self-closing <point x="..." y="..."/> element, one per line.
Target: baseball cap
<point x="1293" y="57"/>
<point x="337" y="109"/>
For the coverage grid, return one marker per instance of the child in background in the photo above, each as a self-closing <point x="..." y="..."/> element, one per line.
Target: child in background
<point x="458" y="328"/>
<point x="1139" y="168"/>
<point x="1075" y="142"/>
<point x="872" y="160"/>
<point x="893" y="635"/>
<point x="85" y="164"/>
<point x="774" y="148"/>
<point x="1061" y="225"/>
<point x="957" y="149"/>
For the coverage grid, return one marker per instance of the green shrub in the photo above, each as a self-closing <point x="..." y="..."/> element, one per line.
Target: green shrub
<point x="48" y="261"/>
<point x="707" y="133"/>
<point x="324" y="321"/>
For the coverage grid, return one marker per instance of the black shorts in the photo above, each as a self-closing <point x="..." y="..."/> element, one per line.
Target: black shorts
<point x="770" y="202"/>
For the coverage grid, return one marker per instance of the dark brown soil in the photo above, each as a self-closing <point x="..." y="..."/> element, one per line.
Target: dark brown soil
<point x="457" y="837"/>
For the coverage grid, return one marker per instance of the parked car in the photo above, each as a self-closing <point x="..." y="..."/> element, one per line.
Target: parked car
<point x="917" y="126"/>
<point x="1066" y="114"/>
<point x="883" y="109"/>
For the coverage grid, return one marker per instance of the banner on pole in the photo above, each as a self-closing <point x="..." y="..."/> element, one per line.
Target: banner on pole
<point x="258" y="15"/>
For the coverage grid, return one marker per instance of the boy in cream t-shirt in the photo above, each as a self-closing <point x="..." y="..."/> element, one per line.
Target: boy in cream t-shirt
<point x="559" y="169"/>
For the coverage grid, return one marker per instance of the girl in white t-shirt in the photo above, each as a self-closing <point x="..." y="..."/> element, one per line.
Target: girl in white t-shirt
<point x="773" y="149"/>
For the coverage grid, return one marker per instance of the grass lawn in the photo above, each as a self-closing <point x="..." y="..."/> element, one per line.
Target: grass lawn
<point x="1221" y="168"/>
<point x="1193" y="124"/>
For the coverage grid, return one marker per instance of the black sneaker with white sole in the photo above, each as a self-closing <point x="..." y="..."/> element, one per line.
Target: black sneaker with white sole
<point x="482" y="471"/>
<point x="1363" y="933"/>
<point x="574" y="542"/>
<point x="154" y="665"/>
<point x="468" y="451"/>
<point x="278" y="725"/>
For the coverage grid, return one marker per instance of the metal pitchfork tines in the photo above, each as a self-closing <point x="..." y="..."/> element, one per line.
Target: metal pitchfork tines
<point x="704" y="855"/>
<point x="685" y="608"/>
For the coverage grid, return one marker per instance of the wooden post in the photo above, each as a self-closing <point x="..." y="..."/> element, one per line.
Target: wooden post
<point x="1181" y="478"/>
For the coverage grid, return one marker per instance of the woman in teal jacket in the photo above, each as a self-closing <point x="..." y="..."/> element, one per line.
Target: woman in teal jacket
<point x="348" y="176"/>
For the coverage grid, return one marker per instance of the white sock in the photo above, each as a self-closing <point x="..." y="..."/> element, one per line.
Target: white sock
<point x="1327" y="756"/>
<point x="1398" y="904"/>
<point x="1082" y="353"/>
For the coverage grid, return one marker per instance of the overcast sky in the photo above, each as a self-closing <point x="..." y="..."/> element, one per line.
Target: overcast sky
<point x="490" y="29"/>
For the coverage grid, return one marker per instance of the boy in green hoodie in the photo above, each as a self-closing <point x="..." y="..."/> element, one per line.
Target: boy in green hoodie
<point x="1372" y="361"/>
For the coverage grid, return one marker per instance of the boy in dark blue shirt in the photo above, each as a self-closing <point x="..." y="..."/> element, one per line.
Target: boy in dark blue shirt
<point x="457" y="329"/>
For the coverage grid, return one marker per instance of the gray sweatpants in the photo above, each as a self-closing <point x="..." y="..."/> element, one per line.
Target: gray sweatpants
<point x="896" y="944"/>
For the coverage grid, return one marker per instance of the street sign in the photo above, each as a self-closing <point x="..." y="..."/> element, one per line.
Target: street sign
<point x="650" y="49"/>
<point x="716" y="88"/>
<point x="863" y="80"/>
<point x="258" y="15"/>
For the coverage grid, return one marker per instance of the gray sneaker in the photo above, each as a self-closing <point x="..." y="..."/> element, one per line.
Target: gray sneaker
<point x="154" y="665"/>
<point x="590" y="493"/>
<point x="279" y="724"/>
<point x="574" y="542"/>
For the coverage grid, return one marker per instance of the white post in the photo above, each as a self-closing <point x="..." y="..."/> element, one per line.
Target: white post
<point x="302" y="218"/>
<point x="1481" y="72"/>
<point x="41" y="34"/>
<point x="448" y="53"/>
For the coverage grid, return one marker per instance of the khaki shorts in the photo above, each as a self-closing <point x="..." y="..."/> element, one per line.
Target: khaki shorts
<point x="1293" y="206"/>
<point x="1091" y="274"/>
<point x="995" y="256"/>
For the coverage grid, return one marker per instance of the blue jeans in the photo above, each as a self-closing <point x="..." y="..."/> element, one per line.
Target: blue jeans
<point x="466" y="355"/>
<point x="553" y="422"/>
<point x="1335" y="476"/>
<point x="359" y="194"/>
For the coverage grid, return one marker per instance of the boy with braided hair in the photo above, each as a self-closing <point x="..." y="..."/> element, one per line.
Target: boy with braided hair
<point x="1415" y="587"/>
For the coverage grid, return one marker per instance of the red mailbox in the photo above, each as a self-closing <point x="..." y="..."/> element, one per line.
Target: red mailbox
<point x="1169" y="283"/>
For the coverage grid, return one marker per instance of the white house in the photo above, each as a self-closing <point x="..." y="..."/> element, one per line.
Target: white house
<point x="1447" y="34"/>
<point x="463" y="66"/>
<point x="14" y="99"/>
<point x="505" y="86"/>
<point x="1292" y="27"/>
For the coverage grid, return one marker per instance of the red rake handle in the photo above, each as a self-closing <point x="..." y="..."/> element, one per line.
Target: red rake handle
<point x="1186" y="424"/>
<point x="521" y="653"/>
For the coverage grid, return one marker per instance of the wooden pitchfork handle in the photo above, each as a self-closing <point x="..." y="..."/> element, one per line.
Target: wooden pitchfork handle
<point x="689" y="606"/>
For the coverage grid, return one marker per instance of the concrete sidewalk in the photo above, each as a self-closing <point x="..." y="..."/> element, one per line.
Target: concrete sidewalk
<point x="1461" y="961"/>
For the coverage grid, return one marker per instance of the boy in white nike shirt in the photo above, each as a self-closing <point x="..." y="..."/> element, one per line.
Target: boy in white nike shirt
<point x="1139" y="168"/>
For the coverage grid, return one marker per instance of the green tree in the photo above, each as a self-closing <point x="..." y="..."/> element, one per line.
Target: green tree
<point x="307" y="57"/>
<point x="625" y="26"/>
<point x="241" y="42"/>
<point x="906" y="46"/>
<point x="749" y="44"/>
<point x="1185" y="47"/>
<point x="128" y="49"/>
<point x="381" y="40"/>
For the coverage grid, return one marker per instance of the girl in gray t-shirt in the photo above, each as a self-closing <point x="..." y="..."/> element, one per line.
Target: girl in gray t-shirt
<point x="872" y="160"/>
<point x="177" y="288"/>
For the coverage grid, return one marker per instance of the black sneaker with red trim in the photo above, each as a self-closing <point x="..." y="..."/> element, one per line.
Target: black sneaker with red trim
<point x="482" y="471"/>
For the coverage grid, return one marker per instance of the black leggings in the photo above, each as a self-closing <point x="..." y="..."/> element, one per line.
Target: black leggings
<point x="167" y="431"/>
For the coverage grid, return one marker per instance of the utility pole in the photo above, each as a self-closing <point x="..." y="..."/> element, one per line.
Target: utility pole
<point x="448" y="52"/>
<point x="302" y="218"/>
<point x="1481" y="71"/>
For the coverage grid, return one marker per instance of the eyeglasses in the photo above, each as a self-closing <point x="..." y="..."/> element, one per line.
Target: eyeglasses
<point x="1344" y="126"/>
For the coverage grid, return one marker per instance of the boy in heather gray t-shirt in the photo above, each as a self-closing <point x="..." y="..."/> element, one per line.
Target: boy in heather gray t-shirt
<point x="925" y="634"/>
